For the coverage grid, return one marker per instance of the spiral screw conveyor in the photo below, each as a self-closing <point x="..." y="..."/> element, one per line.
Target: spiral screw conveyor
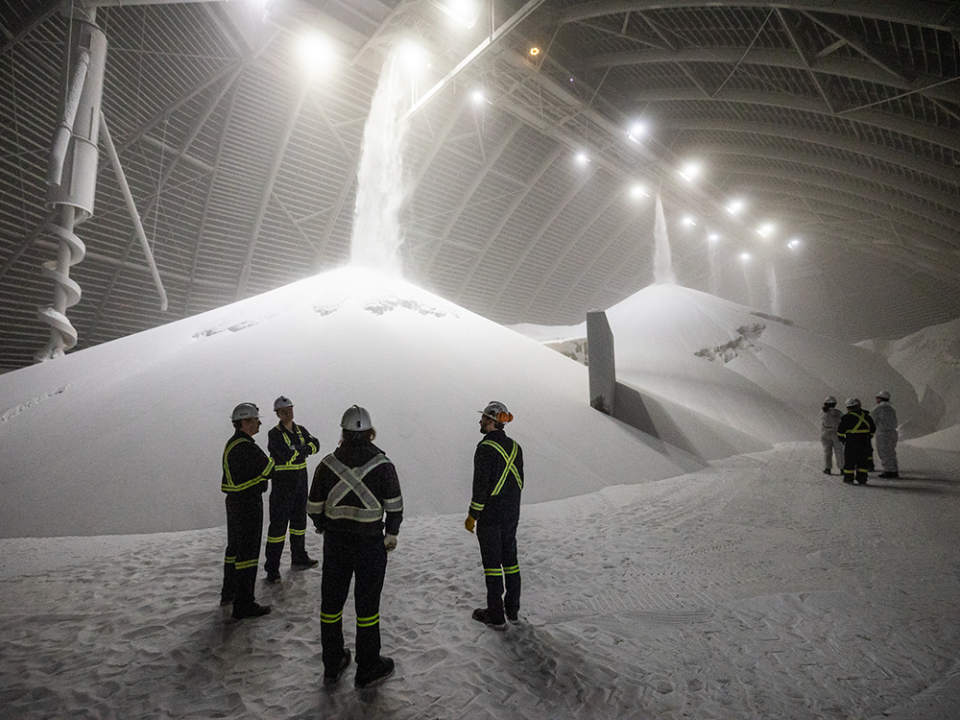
<point x="72" y="173"/>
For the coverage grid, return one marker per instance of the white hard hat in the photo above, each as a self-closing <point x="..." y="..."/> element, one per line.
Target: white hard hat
<point x="883" y="395"/>
<point x="831" y="400"/>
<point x="282" y="402"/>
<point x="497" y="412"/>
<point x="245" y="411"/>
<point x="356" y="418"/>
<point x="852" y="402"/>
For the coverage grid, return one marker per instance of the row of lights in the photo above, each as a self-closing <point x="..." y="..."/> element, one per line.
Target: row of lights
<point x="317" y="51"/>
<point x="689" y="172"/>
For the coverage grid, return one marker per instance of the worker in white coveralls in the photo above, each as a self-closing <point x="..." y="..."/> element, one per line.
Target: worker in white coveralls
<point x="829" y="422"/>
<point x="886" y="438"/>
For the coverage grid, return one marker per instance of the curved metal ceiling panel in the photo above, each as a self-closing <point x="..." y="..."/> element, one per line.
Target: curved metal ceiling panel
<point x="841" y="121"/>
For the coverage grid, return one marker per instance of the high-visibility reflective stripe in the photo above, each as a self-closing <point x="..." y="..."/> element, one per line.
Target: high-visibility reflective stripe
<point x="351" y="481"/>
<point x="349" y="512"/>
<point x="861" y="427"/>
<point x="512" y="570"/>
<point x="229" y="560"/>
<point x="295" y="462"/>
<point x="331" y="617"/>
<point x="298" y="532"/>
<point x="393" y="504"/>
<point x="509" y="467"/>
<point x="275" y="539"/>
<point x="228" y="485"/>
<point x="315" y="508"/>
<point x="247" y="564"/>
<point x="493" y="572"/>
<point x="474" y="505"/>
<point x="368" y="621"/>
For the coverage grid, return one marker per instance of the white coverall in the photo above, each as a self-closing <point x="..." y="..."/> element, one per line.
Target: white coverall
<point x="829" y="420"/>
<point x="886" y="438"/>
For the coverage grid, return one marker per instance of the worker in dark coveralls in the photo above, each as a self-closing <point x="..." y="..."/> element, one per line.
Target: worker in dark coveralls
<point x="353" y="490"/>
<point x="290" y="445"/>
<point x="245" y="471"/>
<point x="495" y="513"/>
<point x="856" y="431"/>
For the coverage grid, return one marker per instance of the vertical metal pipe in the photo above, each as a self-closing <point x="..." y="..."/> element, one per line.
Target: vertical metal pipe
<point x="72" y="173"/>
<point x="132" y="207"/>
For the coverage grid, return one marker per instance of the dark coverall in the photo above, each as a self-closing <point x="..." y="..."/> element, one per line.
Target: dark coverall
<point x="495" y="505"/>
<point x="855" y="432"/>
<point x="288" y="494"/>
<point x="352" y="489"/>
<point x="245" y="471"/>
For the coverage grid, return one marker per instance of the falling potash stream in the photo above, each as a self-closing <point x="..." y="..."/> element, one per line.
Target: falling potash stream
<point x="774" y="290"/>
<point x="377" y="235"/>
<point x="662" y="263"/>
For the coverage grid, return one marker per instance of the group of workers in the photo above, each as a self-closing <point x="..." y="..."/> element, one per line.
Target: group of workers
<point x="849" y="437"/>
<point x="356" y="503"/>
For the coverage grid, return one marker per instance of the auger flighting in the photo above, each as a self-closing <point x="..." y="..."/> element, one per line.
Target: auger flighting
<point x="72" y="172"/>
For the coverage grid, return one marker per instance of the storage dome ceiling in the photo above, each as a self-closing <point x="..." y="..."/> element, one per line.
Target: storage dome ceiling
<point x="836" y="122"/>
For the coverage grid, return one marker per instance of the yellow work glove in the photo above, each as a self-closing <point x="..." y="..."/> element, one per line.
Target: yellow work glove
<point x="470" y="523"/>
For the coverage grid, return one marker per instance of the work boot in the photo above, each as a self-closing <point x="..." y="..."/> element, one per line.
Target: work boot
<point x="332" y="678"/>
<point x="250" y="611"/>
<point x="890" y="474"/>
<point x="304" y="563"/>
<point x="483" y="615"/>
<point x="826" y="471"/>
<point x="376" y="675"/>
<point x="273" y="578"/>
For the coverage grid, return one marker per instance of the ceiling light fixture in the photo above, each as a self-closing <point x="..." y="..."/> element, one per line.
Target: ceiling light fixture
<point x="766" y="230"/>
<point x="637" y="131"/>
<point x="690" y="171"/>
<point x="316" y="52"/>
<point x="464" y="12"/>
<point x="413" y="55"/>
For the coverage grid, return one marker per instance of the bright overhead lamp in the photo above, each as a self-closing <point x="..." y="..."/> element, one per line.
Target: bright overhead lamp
<point x="713" y="237"/>
<point x="735" y="207"/>
<point x="581" y="158"/>
<point x="534" y="51"/>
<point x="689" y="221"/>
<point x="478" y="97"/>
<point x="464" y="12"/>
<point x="766" y="230"/>
<point x="639" y="191"/>
<point x="637" y="131"/>
<point x="690" y="171"/>
<point x="794" y="244"/>
<point x="315" y="51"/>
<point x="413" y="56"/>
<point x="745" y="257"/>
